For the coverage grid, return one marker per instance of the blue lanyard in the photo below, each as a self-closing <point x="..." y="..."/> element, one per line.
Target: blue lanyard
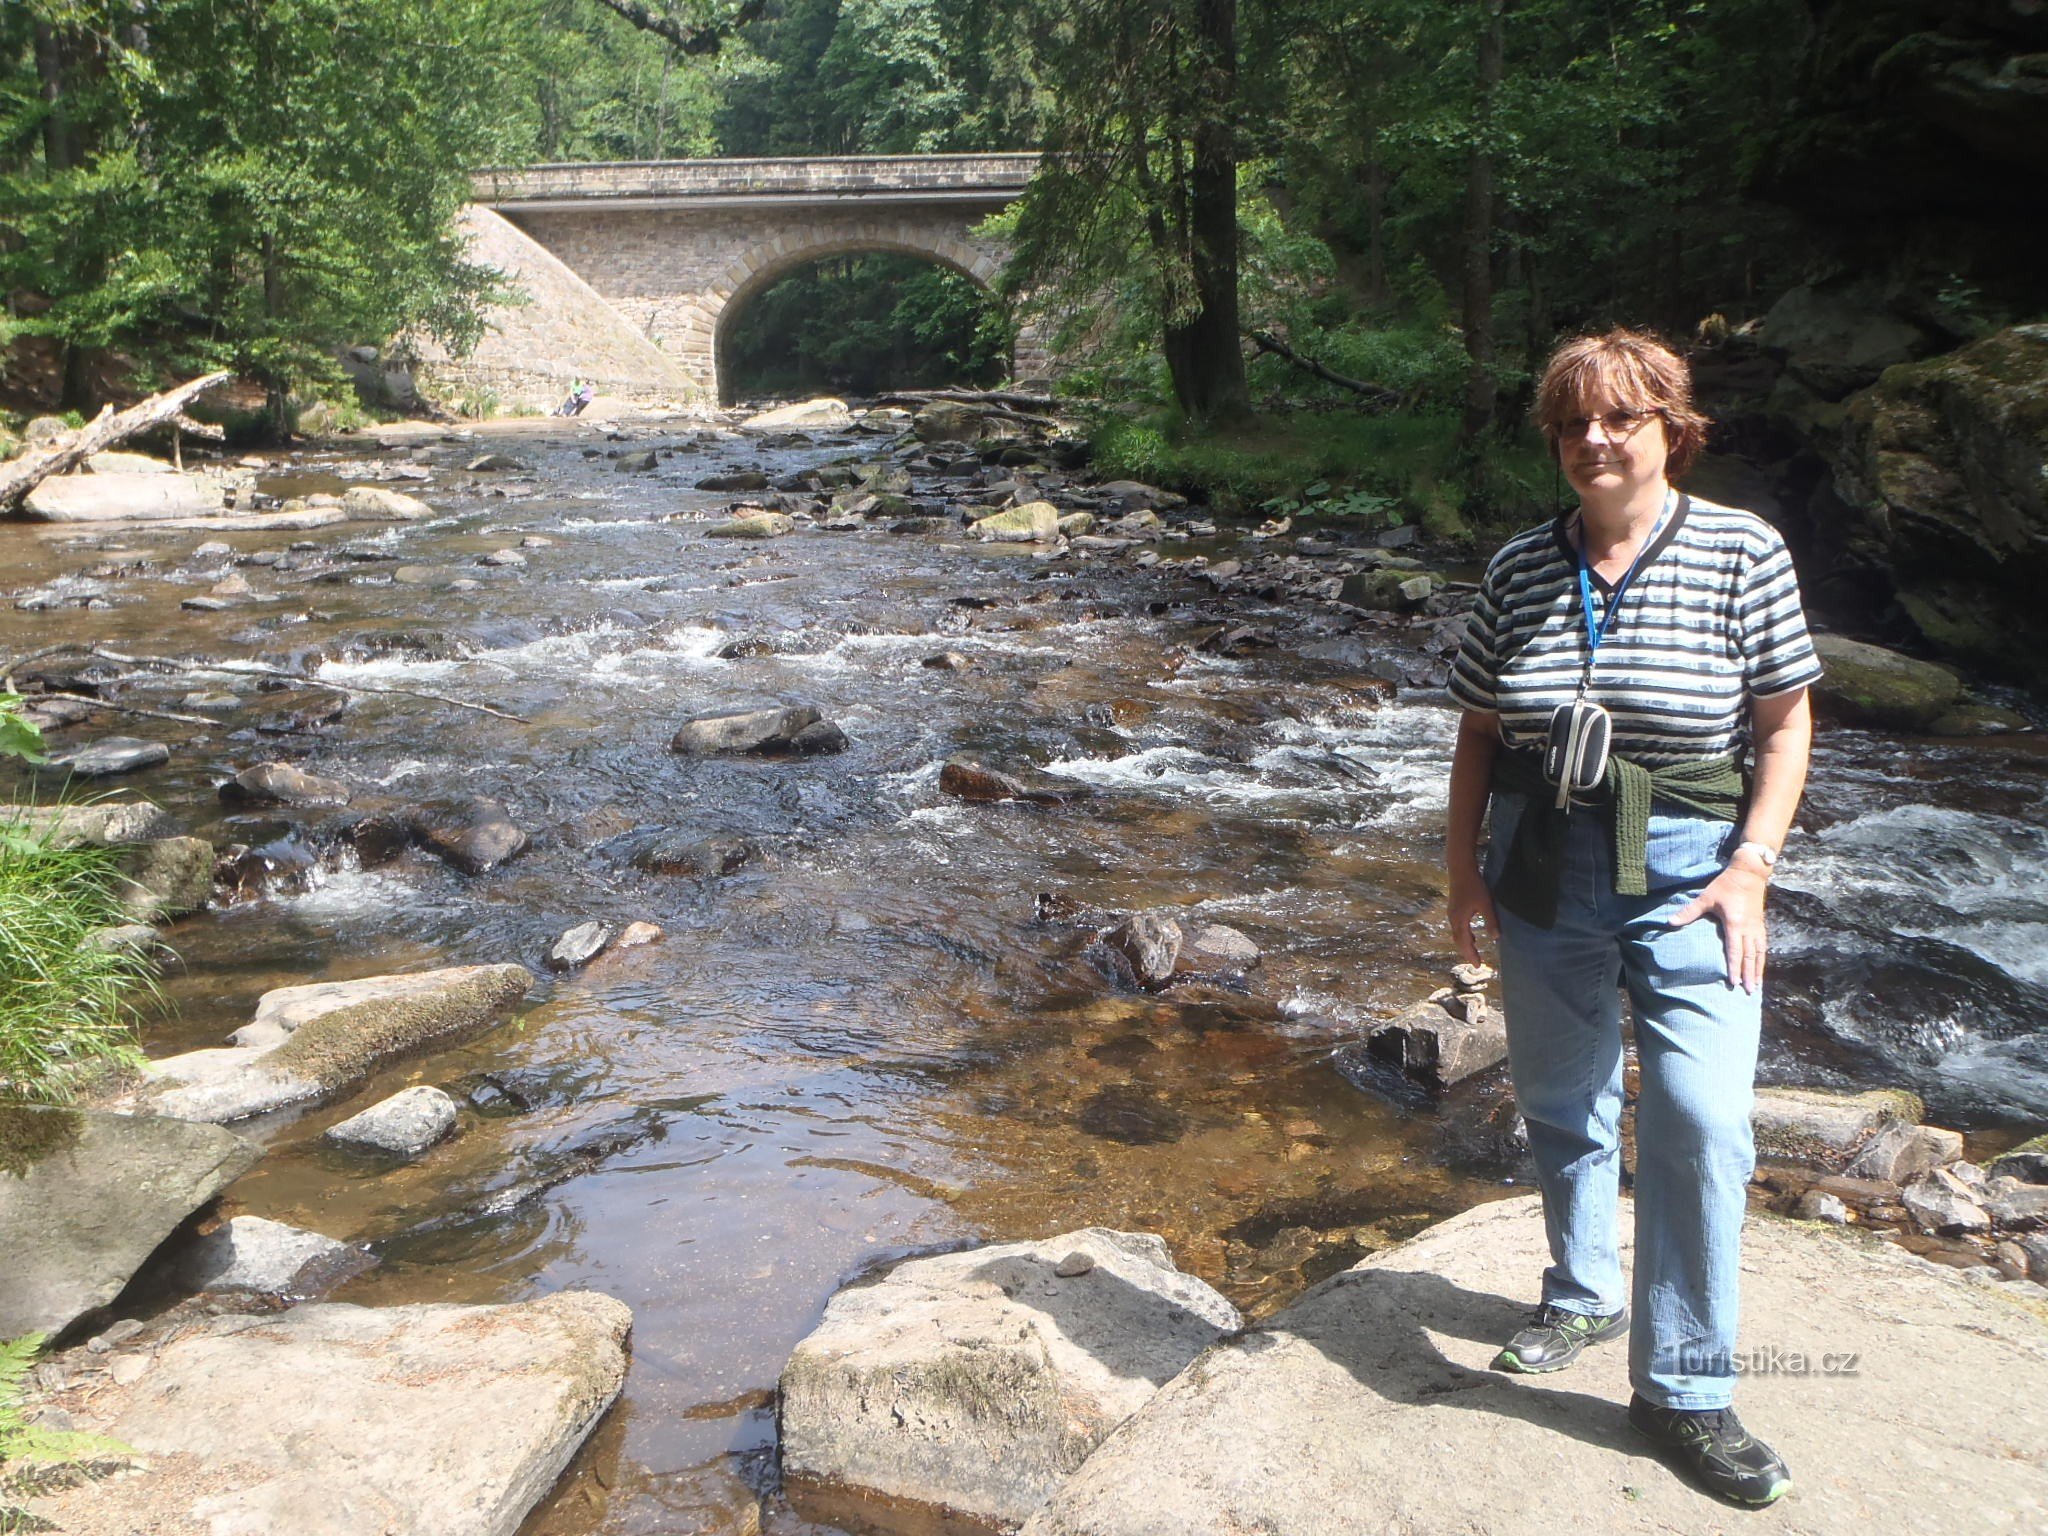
<point x="1595" y="633"/>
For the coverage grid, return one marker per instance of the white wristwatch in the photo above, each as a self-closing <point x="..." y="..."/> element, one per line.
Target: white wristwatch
<point x="1763" y="851"/>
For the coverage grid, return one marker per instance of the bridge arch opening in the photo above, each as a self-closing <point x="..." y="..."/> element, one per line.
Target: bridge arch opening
<point x="859" y="316"/>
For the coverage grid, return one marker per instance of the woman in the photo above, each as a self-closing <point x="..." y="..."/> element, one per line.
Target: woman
<point x="1681" y="621"/>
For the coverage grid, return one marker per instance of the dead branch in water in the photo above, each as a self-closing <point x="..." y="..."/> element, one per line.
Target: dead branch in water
<point x="103" y="431"/>
<point x="255" y="668"/>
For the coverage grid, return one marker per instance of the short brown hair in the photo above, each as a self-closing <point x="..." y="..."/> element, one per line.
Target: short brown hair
<point x="1634" y="369"/>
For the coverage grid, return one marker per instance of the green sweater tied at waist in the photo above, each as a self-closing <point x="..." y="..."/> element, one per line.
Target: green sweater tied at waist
<point x="1708" y="786"/>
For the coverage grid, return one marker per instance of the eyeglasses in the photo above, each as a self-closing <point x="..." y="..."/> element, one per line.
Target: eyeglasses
<point x="1616" y="424"/>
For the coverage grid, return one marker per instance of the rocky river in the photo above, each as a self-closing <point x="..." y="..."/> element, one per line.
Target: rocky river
<point x="880" y="1019"/>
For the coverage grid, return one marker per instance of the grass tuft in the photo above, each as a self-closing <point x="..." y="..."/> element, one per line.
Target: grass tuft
<point x="67" y="1013"/>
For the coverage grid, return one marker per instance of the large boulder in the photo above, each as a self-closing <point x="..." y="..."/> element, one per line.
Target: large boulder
<point x="475" y="835"/>
<point x="965" y="1388"/>
<point x="797" y="729"/>
<point x="757" y="524"/>
<point x="824" y="414"/>
<point x="946" y="421"/>
<point x="1836" y="339"/>
<point x="1368" y="1406"/>
<point x="1946" y="464"/>
<point x="123" y="495"/>
<point x="165" y="875"/>
<point x="1868" y="685"/>
<point x="332" y="1420"/>
<point x="1036" y="522"/>
<point x="307" y="1044"/>
<point x="86" y="1196"/>
<point x="374" y="503"/>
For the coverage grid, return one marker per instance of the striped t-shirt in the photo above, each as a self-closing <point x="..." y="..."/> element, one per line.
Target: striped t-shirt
<point x="1711" y="620"/>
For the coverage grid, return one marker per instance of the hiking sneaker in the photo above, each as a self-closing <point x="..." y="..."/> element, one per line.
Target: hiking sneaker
<point x="1554" y="1338"/>
<point x="1723" y="1457"/>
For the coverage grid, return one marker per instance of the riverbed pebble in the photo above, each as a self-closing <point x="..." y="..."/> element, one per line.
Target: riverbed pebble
<point x="579" y="946"/>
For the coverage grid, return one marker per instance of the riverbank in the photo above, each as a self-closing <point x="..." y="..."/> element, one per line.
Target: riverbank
<point x="862" y="1035"/>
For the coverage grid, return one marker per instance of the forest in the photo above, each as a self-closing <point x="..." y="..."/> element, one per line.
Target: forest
<point x="1416" y="195"/>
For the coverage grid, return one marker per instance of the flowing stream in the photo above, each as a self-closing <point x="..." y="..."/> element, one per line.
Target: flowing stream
<point x="862" y="1042"/>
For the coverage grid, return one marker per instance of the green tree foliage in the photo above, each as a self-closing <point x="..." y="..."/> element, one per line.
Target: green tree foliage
<point x="882" y="77"/>
<point x="866" y="324"/>
<point x="248" y="183"/>
<point x="1140" y="185"/>
<point x="599" y="88"/>
<point x="1617" y="145"/>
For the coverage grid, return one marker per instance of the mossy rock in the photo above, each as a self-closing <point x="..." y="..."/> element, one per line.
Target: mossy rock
<point x="1968" y="719"/>
<point x="1868" y="685"/>
<point x="1443" y="519"/>
<point x="2028" y="1161"/>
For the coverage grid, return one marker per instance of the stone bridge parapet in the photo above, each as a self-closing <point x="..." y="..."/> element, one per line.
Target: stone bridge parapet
<point x="991" y="179"/>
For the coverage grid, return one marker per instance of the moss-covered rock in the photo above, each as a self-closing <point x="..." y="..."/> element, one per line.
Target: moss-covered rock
<point x="1868" y="685"/>
<point x="1945" y="463"/>
<point x="1971" y="719"/>
<point x="1034" y="522"/>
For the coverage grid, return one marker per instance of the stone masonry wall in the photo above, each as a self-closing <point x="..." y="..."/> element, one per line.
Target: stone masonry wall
<point x="565" y="332"/>
<point x="675" y="273"/>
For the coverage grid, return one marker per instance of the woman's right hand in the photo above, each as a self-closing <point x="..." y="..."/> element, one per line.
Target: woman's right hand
<point x="1471" y="910"/>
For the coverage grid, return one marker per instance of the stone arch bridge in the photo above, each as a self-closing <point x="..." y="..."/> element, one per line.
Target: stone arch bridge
<point x="634" y="271"/>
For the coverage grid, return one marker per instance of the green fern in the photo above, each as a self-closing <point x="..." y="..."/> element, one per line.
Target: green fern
<point x="29" y="1452"/>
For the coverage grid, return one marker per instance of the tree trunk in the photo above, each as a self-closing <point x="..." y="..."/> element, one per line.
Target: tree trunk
<point x="1203" y="353"/>
<point x="60" y="149"/>
<point x="1376" y="223"/>
<point x="1480" y="402"/>
<point x="277" y="401"/>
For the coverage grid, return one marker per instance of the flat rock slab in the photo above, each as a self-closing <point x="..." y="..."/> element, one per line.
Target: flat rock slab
<point x="1824" y="1126"/>
<point x="121" y="495"/>
<point x="307" y="1044"/>
<point x="961" y="1390"/>
<point x="105" y="823"/>
<point x="1367" y="1407"/>
<point x="333" y="1420"/>
<point x="86" y="1196"/>
<point x="111" y="755"/>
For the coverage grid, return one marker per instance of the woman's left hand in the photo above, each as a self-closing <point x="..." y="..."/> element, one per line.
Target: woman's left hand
<point x="1735" y="899"/>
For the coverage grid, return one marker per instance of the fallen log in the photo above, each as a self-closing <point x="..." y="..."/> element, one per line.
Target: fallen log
<point x="1007" y="397"/>
<point x="1379" y="394"/>
<point x="24" y="474"/>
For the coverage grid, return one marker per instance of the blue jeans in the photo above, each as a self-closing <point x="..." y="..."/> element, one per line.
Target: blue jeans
<point x="1696" y="1044"/>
